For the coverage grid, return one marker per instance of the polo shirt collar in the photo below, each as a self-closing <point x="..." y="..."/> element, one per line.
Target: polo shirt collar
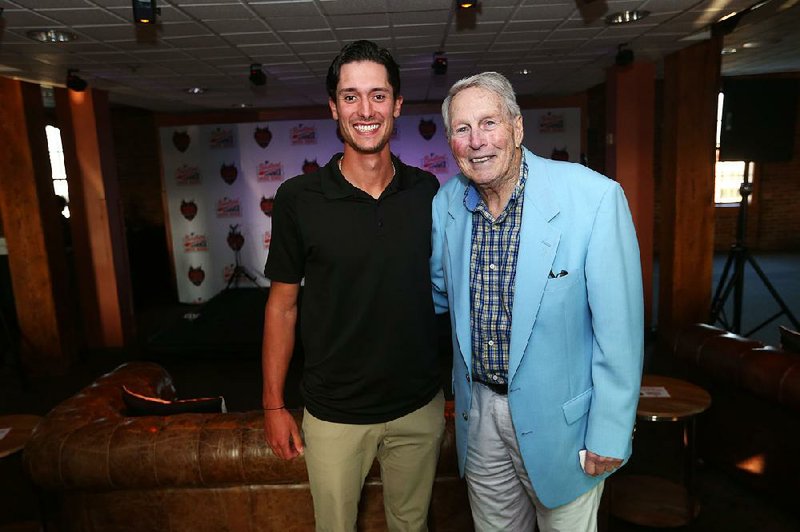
<point x="335" y="186"/>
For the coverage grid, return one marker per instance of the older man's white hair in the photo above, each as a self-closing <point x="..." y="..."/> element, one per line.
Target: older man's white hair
<point x="490" y="81"/>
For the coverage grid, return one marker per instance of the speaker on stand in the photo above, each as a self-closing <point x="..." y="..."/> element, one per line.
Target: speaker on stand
<point x="758" y="124"/>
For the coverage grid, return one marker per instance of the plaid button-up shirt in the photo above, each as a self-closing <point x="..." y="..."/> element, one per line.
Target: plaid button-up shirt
<point x="493" y="268"/>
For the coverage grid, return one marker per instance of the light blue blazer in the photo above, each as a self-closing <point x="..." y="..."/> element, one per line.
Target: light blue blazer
<point x="576" y="340"/>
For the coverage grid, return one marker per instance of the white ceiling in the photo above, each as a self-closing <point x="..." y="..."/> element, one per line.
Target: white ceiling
<point x="565" y="44"/>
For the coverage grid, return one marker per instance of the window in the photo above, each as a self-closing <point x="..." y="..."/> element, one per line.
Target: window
<point x="728" y="174"/>
<point x="56" y="150"/>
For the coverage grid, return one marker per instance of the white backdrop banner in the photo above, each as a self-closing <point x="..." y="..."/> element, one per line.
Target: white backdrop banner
<point x="220" y="181"/>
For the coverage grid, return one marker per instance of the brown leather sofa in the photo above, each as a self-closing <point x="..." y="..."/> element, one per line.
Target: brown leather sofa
<point x="752" y="429"/>
<point x="193" y="472"/>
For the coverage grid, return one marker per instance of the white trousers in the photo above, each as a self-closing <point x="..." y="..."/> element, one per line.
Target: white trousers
<point x="500" y="493"/>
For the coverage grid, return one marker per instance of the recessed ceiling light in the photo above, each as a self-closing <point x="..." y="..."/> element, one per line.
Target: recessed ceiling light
<point x="624" y="17"/>
<point x="728" y="50"/>
<point x="523" y="71"/>
<point x="753" y="44"/>
<point x="195" y="90"/>
<point x="242" y="105"/>
<point x="51" y="35"/>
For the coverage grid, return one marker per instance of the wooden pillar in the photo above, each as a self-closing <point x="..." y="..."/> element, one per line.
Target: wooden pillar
<point x="630" y="110"/>
<point x="101" y="260"/>
<point x="36" y="253"/>
<point x="691" y="85"/>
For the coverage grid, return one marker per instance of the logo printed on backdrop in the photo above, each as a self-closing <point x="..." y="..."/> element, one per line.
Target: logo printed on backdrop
<point x="266" y="205"/>
<point x="196" y="275"/>
<point x="193" y="242"/>
<point x="301" y="134"/>
<point x="188" y="209"/>
<point x="181" y="140"/>
<point x="235" y="238"/>
<point x="267" y="239"/>
<point x="228" y="172"/>
<point x="268" y="171"/>
<point x="221" y="138"/>
<point x="228" y="208"/>
<point x="427" y="128"/>
<point x="435" y="163"/>
<point x="262" y="136"/>
<point x="551" y="123"/>
<point x="310" y="166"/>
<point x="187" y="175"/>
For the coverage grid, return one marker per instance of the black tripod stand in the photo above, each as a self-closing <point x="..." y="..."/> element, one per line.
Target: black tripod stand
<point x="737" y="257"/>
<point x="240" y="272"/>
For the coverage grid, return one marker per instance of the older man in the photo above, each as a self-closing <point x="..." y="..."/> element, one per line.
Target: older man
<point x="537" y="262"/>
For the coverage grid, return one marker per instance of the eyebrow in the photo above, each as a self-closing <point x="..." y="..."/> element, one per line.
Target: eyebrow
<point x="371" y="91"/>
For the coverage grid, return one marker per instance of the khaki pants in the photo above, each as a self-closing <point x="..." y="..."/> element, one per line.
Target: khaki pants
<point x="338" y="457"/>
<point x="501" y="495"/>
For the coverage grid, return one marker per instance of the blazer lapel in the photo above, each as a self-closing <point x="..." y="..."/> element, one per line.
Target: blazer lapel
<point x="458" y="239"/>
<point x="538" y="242"/>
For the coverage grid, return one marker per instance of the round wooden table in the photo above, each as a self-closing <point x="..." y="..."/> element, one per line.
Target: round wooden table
<point x="654" y="501"/>
<point x="21" y="428"/>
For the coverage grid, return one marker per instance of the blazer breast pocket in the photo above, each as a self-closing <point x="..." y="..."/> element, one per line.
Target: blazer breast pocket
<point x="562" y="279"/>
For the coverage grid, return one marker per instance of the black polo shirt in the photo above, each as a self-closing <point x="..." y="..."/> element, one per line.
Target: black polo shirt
<point x="367" y="319"/>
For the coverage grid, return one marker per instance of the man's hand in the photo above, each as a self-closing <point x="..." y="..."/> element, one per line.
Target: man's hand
<point x="282" y="434"/>
<point x="598" y="465"/>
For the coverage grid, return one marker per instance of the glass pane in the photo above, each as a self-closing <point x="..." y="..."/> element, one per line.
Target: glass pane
<point x="56" y="154"/>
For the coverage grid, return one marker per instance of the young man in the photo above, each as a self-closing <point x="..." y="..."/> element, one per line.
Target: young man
<point x="358" y="232"/>
<point x="538" y="263"/>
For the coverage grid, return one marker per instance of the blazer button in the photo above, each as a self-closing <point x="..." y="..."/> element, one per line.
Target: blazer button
<point x="465" y="416"/>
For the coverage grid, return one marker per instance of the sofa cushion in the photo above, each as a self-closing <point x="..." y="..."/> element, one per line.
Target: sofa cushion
<point x="142" y="405"/>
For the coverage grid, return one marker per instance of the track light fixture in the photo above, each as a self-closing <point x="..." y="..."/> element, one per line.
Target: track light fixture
<point x="624" y="55"/>
<point x="145" y="11"/>
<point x="439" y="64"/>
<point x="75" y="82"/>
<point x="257" y="76"/>
<point x="466" y="4"/>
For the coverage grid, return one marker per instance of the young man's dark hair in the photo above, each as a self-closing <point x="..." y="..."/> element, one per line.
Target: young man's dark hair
<point x="363" y="51"/>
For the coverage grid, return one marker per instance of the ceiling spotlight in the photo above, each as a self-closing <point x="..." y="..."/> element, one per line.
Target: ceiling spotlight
<point x="145" y="11"/>
<point x="75" y="82"/>
<point x="439" y="64"/>
<point x="464" y="4"/>
<point x="51" y="35"/>
<point x="257" y="76"/>
<point x="625" y="17"/>
<point x="195" y="90"/>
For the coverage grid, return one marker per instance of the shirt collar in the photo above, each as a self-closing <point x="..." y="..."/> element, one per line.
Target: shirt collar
<point x="335" y="186"/>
